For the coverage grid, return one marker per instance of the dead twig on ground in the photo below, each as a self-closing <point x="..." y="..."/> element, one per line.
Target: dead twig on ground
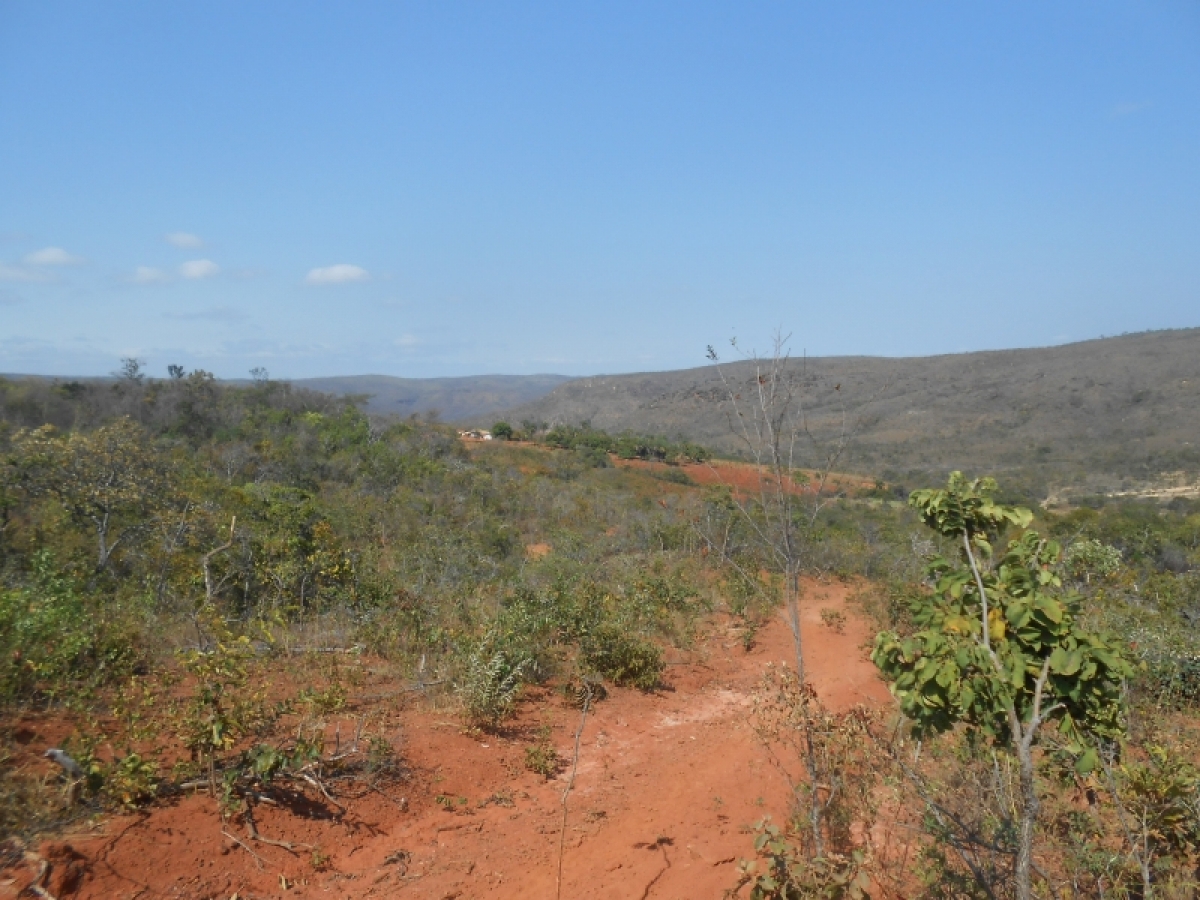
<point x="252" y="827"/>
<point x="315" y="782"/>
<point x="257" y="859"/>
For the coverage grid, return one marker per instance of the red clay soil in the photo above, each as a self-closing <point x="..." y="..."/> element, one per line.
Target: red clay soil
<point x="666" y="788"/>
<point x="742" y="477"/>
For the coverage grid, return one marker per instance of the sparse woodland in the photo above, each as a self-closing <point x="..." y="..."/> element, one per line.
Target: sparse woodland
<point x="191" y="574"/>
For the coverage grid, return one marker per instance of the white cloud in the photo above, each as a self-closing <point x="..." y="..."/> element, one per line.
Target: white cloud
<point x="183" y="240"/>
<point x="12" y="273"/>
<point x="147" y="275"/>
<point x="339" y="274"/>
<point x="406" y="341"/>
<point x="199" y="268"/>
<point x="53" y="256"/>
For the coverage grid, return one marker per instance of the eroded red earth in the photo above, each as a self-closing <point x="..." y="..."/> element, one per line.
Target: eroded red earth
<point x="667" y="785"/>
<point x="744" y="478"/>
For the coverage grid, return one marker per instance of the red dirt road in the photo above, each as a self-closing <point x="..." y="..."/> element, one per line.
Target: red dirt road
<point x="667" y="784"/>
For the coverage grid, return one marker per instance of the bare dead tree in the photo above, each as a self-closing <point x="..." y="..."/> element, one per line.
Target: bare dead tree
<point x="770" y="417"/>
<point x="793" y="461"/>
<point x="212" y="587"/>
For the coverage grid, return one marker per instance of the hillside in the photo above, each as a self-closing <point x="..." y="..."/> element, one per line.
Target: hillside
<point x="455" y="399"/>
<point x="1096" y="411"/>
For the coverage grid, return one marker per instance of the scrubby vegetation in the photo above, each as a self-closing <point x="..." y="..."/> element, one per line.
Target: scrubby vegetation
<point x="1066" y="764"/>
<point x="193" y="540"/>
<point x="192" y="575"/>
<point x="626" y="445"/>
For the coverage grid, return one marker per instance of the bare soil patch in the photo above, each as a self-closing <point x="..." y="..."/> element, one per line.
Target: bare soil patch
<point x="745" y="478"/>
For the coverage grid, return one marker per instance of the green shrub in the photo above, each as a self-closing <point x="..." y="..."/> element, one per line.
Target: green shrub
<point x="1090" y="559"/>
<point x="53" y="641"/>
<point x="593" y="457"/>
<point x="673" y="475"/>
<point x="490" y="685"/>
<point x="541" y="757"/>
<point x="612" y="652"/>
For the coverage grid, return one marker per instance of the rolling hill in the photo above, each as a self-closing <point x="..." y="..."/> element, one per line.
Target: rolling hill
<point x="454" y="399"/>
<point x="1099" y="414"/>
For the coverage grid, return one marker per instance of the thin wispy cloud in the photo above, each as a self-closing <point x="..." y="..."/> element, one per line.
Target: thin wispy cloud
<point x="1127" y="109"/>
<point x="53" y="256"/>
<point x="211" y="314"/>
<point x="184" y="240"/>
<point x="342" y="273"/>
<point x="149" y="275"/>
<point x="199" y="268"/>
<point x="406" y="341"/>
<point x="15" y="273"/>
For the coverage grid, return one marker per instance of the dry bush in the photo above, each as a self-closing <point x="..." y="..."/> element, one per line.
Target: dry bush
<point x="833" y="767"/>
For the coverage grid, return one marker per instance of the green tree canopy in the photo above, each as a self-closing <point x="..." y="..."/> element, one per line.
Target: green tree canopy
<point x="1000" y="645"/>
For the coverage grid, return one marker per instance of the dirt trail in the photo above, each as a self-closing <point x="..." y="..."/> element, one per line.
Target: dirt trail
<point x="666" y="785"/>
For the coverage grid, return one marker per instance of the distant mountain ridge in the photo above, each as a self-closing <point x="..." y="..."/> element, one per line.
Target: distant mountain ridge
<point x="1112" y="413"/>
<point x="455" y="399"/>
<point x="1126" y="405"/>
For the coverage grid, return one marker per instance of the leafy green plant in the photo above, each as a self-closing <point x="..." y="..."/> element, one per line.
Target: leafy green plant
<point x="613" y="653"/>
<point x="131" y="780"/>
<point x="748" y="633"/>
<point x="53" y="641"/>
<point x="541" y="757"/>
<point x="381" y="755"/>
<point x="490" y="686"/>
<point x="224" y="706"/>
<point x="1001" y="646"/>
<point x="321" y="702"/>
<point x="1090" y="559"/>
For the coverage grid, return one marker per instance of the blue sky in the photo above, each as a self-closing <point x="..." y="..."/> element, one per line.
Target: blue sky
<point x="454" y="189"/>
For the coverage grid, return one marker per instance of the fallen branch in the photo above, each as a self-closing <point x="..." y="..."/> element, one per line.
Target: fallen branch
<point x="257" y="859"/>
<point x="255" y="836"/>
<point x="320" y="787"/>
